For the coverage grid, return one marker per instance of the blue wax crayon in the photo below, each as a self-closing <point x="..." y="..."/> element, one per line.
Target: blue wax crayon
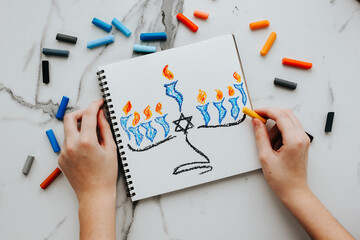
<point x="153" y="36"/>
<point x="53" y="140"/>
<point x="100" y="41"/>
<point x="103" y="25"/>
<point x="61" y="110"/>
<point x="121" y="27"/>
<point x="144" y="49"/>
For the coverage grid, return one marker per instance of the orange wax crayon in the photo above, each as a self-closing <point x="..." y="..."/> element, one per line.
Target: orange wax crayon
<point x="187" y="22"/>
<point x="259" y="24"/>
<point x="50" y="178"/>
<point x="296" y="63"/>
<point x="268" y="44"/>
<point x="253" y="114"/>
<point x="201" y="14"/>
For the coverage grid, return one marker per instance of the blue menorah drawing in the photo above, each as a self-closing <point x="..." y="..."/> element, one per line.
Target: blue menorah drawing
<point x="150" y="129"/>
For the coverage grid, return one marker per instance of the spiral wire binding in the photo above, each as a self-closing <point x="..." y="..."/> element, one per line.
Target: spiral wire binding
<point x="110" y="109"/>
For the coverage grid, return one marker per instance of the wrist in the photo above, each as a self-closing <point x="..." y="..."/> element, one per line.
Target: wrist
<point x="92" y="196"/>
<point x="296" y="195"/>
<point x="97" y="215"/>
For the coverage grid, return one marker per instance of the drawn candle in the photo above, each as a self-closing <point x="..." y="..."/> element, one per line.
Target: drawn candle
<point x="150" y="131"/>
<point x="240" y="87"/>
<point x="235" y="110"/>
<point x="135" y="130"/>
<point x="204" y="107"/>
<point x="171" y="87"/>
<point x="219" y="105"/>
<point x="161" y="120"/>
<point x="124" y="120"/>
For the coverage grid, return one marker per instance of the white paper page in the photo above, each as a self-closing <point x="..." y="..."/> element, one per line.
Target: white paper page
<point x="196" y="148"/>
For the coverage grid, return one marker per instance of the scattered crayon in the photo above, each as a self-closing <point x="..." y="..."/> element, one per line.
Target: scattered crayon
<point x="101" y="24"/>
<point x="296" y="63"/>
<point x="259" y="24"/>
<point x="201" y="14"/>
<point x="62" y="108"/>
<point x="268" y="44"/>
<point x="284" y="83"/>
<point x="55" y="52"/>
<point x="100" y="41"/>
<point x="253" y="114"/>
<point x="144" y="49"/>
<point x="121" y="27"/>
<point x="66" y="38"/>
<point x="54" y="143"/>
<point x="187" y="22"/>
<point x="28" y="163"/>
<point x="329" y="121"/>
<point x="45" y="71"/>
<point x="153" y="36"/>
<point x="50" y="178"/>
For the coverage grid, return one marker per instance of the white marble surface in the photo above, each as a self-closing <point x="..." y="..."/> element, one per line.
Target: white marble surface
<point x="325" y="32"/>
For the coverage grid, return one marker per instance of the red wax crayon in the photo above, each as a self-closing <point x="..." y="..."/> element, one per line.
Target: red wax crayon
<point x="296" y="63"/>
<point x="187" y="22"/>
<point x="50" y="178"/>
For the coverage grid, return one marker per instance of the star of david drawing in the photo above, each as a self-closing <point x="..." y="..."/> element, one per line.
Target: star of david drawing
<point x="179" y="127"/>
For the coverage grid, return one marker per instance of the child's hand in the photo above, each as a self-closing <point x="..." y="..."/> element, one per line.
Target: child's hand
<point x="283" y="152"/>
<point x="88" y="159"/>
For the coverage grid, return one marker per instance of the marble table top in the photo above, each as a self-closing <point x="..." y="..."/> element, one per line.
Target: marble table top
<point x="324" y="32"/>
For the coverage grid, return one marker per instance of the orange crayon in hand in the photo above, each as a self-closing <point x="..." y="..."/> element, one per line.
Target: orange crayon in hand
<point x="253" y="114"/>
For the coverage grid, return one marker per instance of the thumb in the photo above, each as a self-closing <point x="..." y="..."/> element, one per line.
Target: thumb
<point x="262" y="139"/>
<point x="104" y="129"/>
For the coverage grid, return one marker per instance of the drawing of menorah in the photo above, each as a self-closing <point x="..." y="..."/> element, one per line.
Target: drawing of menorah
<point x="146" y="129"/>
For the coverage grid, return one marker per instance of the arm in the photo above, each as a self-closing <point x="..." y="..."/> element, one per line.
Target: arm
<point x="283" y="153"/>
<point x="89" y="161"/>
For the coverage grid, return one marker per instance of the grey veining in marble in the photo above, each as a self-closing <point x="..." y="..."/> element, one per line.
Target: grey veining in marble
<point x="350" y="18"/>
<point x="55" y="229"/>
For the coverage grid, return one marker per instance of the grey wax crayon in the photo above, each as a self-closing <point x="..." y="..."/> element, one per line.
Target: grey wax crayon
<point x="45" y="71"/>
<point x="329" y="121"/>
<point x="284" y="83"/>
<point x="28" y="164"/>
<point x="66" y="38"/>
<point x="55" y="52"/>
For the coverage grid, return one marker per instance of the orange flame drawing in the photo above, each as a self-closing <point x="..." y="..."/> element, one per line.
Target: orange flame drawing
<point x="219" y="95"/>
<point x="127" y="108"/>
<point x="237" y="77"/>
<point x="231" y="91"/>
<point x="158" y="108"/>
<point x="136" y="119"/>
<point x="166" y="73"/>
<point x="201" y="96"/>
<point x="147" y="112"/>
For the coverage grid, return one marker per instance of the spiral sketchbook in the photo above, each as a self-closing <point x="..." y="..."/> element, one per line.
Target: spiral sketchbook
<point x="177" y="116"/>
